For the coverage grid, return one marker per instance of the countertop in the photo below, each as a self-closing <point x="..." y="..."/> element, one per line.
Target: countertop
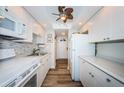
<point x="114" y="69"/>
<point x="11" y="68"/>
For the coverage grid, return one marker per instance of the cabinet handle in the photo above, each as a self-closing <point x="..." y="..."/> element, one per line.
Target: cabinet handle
<point x="108" y="38"/>
<point x="6" y="9"/>
<point x="108" y="80"/>
<point x="24" y="25"/>
<point x="92" y="75"/>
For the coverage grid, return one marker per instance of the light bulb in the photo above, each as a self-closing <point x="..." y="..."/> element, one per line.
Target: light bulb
<point x="63" y="17"/>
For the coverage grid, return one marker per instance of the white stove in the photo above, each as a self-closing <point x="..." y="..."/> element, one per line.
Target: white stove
<point x="17" y="71"/>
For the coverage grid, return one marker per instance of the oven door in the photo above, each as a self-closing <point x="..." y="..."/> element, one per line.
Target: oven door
<point x="31" y="81"/>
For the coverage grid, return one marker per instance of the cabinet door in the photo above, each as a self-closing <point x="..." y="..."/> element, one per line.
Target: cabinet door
<point x="101" y="26"/>
<point x="117" y="19"/>
<point x="45" y="66"/>
<point x="37" y="29"/>
<point x="88" y="76"/>
<point x="83" y="72"/>
<point x="92" y="79"/>
<point x="40" y="76"/>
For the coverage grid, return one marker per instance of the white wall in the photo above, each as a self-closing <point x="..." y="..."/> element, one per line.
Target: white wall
<point x="114" y="51"/>
<point x="61" y="48"/>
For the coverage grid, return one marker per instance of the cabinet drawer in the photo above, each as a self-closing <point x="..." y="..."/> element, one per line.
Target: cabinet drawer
<point x="92" y="76"/>
<point x="88" y="76"/>
<point x="106" y="80"/>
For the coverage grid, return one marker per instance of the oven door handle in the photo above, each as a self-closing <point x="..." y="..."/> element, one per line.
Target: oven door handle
<point x="19" y="83"/>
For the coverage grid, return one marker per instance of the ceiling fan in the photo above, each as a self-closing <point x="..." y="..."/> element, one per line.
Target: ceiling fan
<point x="64" y="13"/>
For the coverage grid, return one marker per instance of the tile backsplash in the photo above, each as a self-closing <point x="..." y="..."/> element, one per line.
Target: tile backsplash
<point x="21" y="49"/>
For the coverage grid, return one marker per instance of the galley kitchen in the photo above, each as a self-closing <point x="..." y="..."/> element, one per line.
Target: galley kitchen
<point x="61" y="46"/>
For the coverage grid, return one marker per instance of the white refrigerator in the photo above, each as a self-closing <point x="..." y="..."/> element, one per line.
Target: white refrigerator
<point x="78" y="46"/>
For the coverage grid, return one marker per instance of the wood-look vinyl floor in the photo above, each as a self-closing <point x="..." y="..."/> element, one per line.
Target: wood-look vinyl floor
<point x="60" y="77"/>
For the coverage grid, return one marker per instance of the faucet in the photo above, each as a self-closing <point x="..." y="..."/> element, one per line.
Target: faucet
<point x="35" y="50"/>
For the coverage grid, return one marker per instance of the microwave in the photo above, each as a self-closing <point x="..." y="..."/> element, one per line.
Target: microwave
<point x="10" y="27"/>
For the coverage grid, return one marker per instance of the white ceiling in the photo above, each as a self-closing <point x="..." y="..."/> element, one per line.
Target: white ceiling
<point x="43" y="14"/>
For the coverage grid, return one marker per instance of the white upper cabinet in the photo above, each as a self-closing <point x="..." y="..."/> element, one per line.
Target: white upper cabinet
<point x="101" y="26"/>
<point x="117" y="18"/>
<point x="107" y="25"/>
<point x="86" y="27"/>
<point x="37" y="29"/>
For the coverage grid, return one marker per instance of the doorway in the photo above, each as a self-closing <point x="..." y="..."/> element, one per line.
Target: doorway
<point x="61" y="48"/>
<point x="61" y="44"/>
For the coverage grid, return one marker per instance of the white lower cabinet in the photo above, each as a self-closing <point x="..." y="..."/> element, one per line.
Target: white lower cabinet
<point x="40" y="75"/>
<point x="42" y="71"/>
<point x="106" y="80"/>
<point x="90" y="76"/>
<point x="87" y="77"/>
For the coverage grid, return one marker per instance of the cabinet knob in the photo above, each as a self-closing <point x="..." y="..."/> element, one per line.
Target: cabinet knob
<point x="108" y="80"/>
<point x="6" y="9"/>
<point x="24" y="25"/>
<point x="104" y="39"/>
<point x="108" y="38"/>
<point x="92" y="75"/>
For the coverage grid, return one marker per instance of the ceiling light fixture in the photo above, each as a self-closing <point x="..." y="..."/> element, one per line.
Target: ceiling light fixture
<point x="80" y="23"/>
<point x="63" y="17"/>
<point x="64" y="13"/>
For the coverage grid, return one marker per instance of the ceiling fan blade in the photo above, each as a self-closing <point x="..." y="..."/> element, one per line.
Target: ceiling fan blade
<point x="56" y="14"/>
<point x="70" y="16"/>
<point x="68" y="10"/>
<point x="60" y="9"/>
<point x="57" y="19"/>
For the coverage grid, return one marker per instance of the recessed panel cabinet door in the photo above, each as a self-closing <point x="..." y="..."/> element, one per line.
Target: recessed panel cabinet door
<point x="83" y="76"/>
<point x="117" y="19"/>
<point x="40" y="76"/>
<point x="87" y="76"/>
<point x="101" y="25"/>
<point x="107" y="24"/>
